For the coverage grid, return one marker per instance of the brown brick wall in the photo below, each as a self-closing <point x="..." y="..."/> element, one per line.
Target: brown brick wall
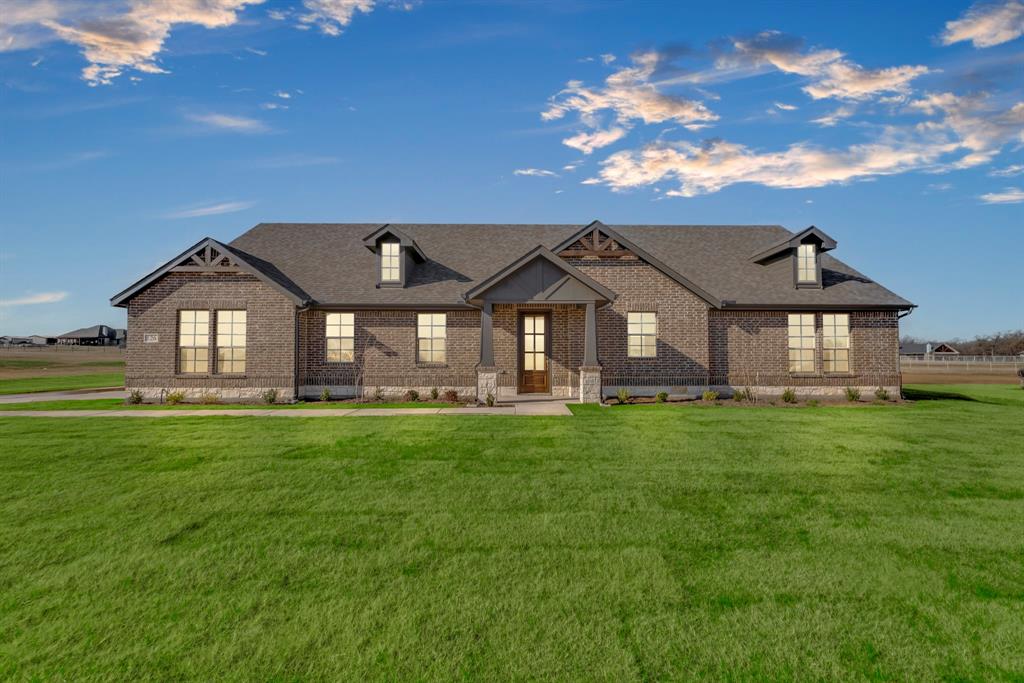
<point x="385" y="351"/>
<point x="682" y="346"/>
<point x="270" y="331"/>
<point x="751" y="348"/>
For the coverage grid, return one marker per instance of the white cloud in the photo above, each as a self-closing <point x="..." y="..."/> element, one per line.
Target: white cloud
<point x="210" y="209"/>
<point x="332" y="16"/>
<point x="628" y="96"/>
<point x="258" y="53"/>
<point x="283" y="94"/>
<point x="21" y="23"/>
<point x="539" y="172"/>
<point x="32" y="299"/>
<point x="785" y="107"/>
<point x="236" y="124"/>
<point x="707" y="168"/>
<point x="273" y="105"/>
<point x="588" y="142"/>
<point x="982" y="127"/>
<point x="834" y="117"/>
<point x="1011" y="195"/>
<point x="1008" y="172"/>
<point x="607" y="58"/>
<point x="830" y="75"/>
<point x="115" y="38"/>
<point x="985" y="25"/>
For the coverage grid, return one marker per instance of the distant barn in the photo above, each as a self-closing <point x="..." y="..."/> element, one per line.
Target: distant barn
<point x="927" y="350"/>
<point x="97" y="335"/>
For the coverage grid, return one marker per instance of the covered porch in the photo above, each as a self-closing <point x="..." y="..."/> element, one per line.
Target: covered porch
<point x="538" y="330"/>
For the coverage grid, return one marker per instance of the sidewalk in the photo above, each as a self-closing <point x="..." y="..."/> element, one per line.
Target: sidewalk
<point x="69" y="395"/>
<point x="531" y="408"/>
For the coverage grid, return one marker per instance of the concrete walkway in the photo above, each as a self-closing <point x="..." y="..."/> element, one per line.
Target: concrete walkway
<point x="528" y="408"/>
<point x="71" y="395"/>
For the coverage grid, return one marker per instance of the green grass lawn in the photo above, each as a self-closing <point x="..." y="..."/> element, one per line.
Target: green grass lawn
<point x="31" y="385"/>
<point x="636" y="543"/>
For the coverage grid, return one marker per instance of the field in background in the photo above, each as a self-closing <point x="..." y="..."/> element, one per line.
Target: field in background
<point x="55" y="368"/>
<point x="651" y="542"/>
<point x="959" y="372"/>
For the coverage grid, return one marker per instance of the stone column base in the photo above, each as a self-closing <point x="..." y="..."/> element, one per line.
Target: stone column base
<point x="590" y="384"/>
<point x="486" y="383"/>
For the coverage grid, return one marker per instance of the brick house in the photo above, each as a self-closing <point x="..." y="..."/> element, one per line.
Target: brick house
<point x="570" y="311"/>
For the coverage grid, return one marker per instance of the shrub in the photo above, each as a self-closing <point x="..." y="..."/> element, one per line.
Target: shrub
<point x="135" y="398"/>
<point x="709" y="396"/>
<point x="489" y="400"/>
<point x="269" y="396"/>
<point x="325" y="395"/>
<point x="852" y="394"/>
<point x="813" y="403"/>
<point x="881" y="394"/>
<point x="175" y="397"/>
<point x="434" y="393"/>
<point x="738" y="395"/>
<point x="378" y="394"/>
<point x="623" y="395"/>
<point x="748" y="394"/>
<point x="789" y="395"/>
<point x="1020" y="374"/>
<point x="661" y="397"/>
<point x="209" y="399"/>
<point x="451" y="396"/>
<point x="411" y="396"/>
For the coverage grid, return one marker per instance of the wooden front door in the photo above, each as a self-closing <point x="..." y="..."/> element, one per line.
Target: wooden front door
<point x="534" y="336"/>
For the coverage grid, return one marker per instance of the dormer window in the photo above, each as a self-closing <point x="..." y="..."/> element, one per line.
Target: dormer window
<point x="807" y="264"/>
<point x="397" y="255"/>
<point x="390" y="263"/>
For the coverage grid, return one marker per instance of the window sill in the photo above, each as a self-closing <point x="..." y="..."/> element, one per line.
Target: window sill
<point x="840" y="374"/>
<point x="431" y="365"/>
<point x="192" y="375"/>
<point x="805" y="375"/>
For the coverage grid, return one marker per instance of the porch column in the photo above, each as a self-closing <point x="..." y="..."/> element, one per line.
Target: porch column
<point x="590" y="371"/>
<point x="487" y="336"/>
<point x="590" y="337"/>
<point x="486" y="373"/>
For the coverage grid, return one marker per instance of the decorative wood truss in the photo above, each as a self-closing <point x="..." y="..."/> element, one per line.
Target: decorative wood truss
<point x="597" y="244"/>
<point x="207" y="259"/>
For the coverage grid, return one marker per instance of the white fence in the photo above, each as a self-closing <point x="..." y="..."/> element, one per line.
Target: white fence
<point x="965" y="362"/>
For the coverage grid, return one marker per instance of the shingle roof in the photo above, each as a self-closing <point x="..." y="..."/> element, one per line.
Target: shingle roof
<point x="89" y="333"/>
<point x="329" y="263"/>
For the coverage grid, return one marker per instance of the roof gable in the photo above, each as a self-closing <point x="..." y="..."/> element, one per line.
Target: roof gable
<point x="539" y="275"/>
<point x="597" y="234"/>
<point x="210" y="256"/>
<point x="371" y="241"/>
<point x="810" y="234"/>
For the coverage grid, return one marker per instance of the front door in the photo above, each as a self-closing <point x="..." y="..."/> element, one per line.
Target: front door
<point x="534" y="331"/>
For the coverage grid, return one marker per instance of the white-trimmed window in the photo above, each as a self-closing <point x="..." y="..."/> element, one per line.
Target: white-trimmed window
<point x="642" y="334"/>
<point x="801" y="342"/>
<point x="390" y="268"/>
<point x="807" y="263"/>
<point x="193" y="342"/>
<point x="341" y="337"/>
<point x="431" y="337"/>
<point x="231" y="342"/>
<point x="835" y="341"/>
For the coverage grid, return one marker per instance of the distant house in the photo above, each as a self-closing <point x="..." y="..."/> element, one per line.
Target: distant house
<point x="31" y="340"/>
<point x="927" y="350"/>
<point x="97" y="335"/>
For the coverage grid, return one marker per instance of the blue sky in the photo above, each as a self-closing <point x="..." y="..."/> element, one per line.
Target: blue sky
<point x="132" y="129"/>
